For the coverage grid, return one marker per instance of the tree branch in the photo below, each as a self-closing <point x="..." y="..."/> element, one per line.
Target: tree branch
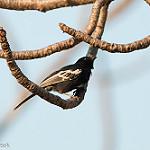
<point x="110" y="47"/>
<point x="98" y="32"/>
<point x="59" y="46"/>
<point x="40" y="5"/>
<point x="43" y="52"/>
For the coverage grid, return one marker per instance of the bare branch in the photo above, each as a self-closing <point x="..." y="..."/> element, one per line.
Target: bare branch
<point x="92" y="52"/>
<point x="59" y="46"/>
<point x="43" y="6"/>
<point x="95" y="14"/>
<point x="43" y="52"/>
<point x="110" y="47"/>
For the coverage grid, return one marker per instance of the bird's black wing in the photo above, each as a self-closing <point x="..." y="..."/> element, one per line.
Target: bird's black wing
<point x="61" y="76"/>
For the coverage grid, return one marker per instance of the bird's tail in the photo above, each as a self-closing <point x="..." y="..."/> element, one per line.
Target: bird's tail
<point x="25" y="100"/>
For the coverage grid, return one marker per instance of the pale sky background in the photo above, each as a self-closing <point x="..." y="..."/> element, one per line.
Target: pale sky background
<point x="115" y="112"/>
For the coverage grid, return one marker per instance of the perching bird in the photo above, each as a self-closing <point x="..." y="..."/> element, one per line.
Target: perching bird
<point x="68" y="78"/>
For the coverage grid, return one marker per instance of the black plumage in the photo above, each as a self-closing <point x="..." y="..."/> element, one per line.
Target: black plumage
<point x="68" y="78"/>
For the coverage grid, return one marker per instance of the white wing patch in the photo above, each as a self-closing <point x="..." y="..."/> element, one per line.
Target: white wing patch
<point x="61" y="77"/>
<point x="69" y="74"/>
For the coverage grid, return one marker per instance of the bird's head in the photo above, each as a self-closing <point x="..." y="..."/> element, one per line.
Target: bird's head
<point x="85" y="62"/>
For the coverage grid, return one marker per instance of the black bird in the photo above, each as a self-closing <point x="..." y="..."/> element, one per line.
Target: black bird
<point x="68" y="78"/>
